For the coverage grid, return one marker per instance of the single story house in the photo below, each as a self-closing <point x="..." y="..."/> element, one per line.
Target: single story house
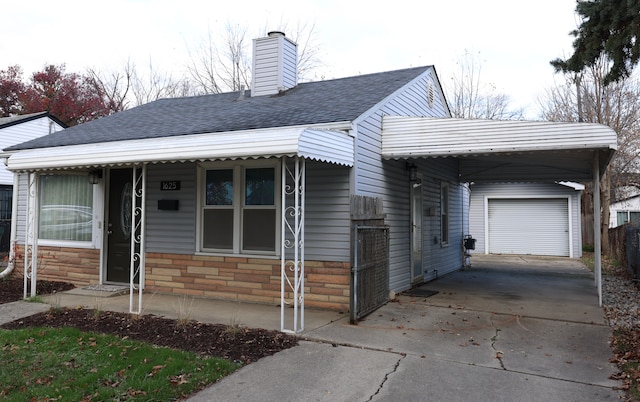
<point x="326" y="194"/>
<point x="526" y="218"/>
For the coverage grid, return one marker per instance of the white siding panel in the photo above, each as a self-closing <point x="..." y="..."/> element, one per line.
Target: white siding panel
<point x="529" y="226"/>
<point x="326" y="146"/>
<point x="629" y="205"/>
<point x="22" y="132"/>
<point x="274" y="65"/>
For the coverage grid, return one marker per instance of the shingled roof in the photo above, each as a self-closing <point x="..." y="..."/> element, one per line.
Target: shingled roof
<point x="23" y="118"/>
<point x="337" y="100"/>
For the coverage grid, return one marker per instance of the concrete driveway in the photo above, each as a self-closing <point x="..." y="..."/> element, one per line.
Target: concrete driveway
<point x="508" y="329"/>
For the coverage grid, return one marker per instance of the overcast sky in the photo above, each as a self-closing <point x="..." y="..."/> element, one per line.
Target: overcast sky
<point x="513" y="39"/>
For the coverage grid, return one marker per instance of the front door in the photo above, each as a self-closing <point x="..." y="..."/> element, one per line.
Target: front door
<point x="119" y="225"/>
<point x="417" y="275"/>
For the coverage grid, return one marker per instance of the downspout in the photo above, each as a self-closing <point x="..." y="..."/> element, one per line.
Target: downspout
<point x="14" y="218"/>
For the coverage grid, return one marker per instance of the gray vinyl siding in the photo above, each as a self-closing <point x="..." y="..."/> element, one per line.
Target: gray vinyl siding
<point x="22" y="206"/>
<point x="389" y="180"/>
<point x="411" y="101"/>
<point x="326" y="207"/>
<point x="396" y="204"/>
<point x="327" y="214"/>
<point x="438" y="259"/>
<point x="171" y="231"/>
<point x="480" y="192"/>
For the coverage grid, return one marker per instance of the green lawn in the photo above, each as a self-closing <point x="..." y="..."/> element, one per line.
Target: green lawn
<point x="70" y="365"/>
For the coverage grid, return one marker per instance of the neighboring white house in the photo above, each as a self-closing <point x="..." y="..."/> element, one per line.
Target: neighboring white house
<point x="15" y="130"/>
<point x="526" y="218"/>
<point x="623" y="211"/>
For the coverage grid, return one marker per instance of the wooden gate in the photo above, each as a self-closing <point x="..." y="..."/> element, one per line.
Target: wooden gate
<point x="370" y="272"/>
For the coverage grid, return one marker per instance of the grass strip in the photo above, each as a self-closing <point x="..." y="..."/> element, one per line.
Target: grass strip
<point x="67" y="364"/>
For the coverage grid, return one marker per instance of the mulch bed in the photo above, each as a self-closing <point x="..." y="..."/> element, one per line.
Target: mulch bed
<point x="239" y="344"/>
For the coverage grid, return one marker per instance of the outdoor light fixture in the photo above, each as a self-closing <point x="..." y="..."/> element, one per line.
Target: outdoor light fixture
<point x="95" y="176"/>
<point x="413" y="171"/>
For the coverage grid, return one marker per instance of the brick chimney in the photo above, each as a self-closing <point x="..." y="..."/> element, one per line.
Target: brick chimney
<point x="275" y="66"/>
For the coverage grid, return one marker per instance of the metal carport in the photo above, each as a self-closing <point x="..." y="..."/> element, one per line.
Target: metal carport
<point x="509" y="151"/>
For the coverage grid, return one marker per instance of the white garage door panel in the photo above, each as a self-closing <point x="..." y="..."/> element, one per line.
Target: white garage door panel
<point x="529" y="226"/>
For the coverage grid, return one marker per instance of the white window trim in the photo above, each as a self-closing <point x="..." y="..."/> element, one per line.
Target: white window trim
<point x="98" y="213"/>
<point x="238" y="193"/>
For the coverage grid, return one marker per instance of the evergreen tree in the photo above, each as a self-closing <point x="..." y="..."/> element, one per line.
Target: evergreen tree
<point x="609" y="28"/>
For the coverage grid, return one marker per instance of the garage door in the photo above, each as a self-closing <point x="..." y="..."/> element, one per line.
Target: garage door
<point x="529" y="226"/>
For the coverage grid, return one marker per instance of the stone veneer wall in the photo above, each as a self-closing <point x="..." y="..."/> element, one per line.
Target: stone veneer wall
<point x="80" y="266"/>
<point x="230" y="278"/>
<point x="245" y="279"/>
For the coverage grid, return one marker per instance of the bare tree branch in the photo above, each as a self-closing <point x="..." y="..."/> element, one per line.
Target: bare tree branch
<point x="470" y="98"/>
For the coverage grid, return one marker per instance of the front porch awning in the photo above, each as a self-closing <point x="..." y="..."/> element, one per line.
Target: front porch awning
<point x="330" y="146"/>
<point x="495" y="150"/>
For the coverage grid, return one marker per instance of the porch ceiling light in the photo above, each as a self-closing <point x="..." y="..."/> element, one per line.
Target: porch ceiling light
<point x="95" y="176"/>
<point x="413" y="172"/>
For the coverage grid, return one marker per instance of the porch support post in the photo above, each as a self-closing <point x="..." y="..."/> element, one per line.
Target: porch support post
<point x="138" y="213"/>
<point x="597" y="235"/>
<point x="292" y="243"/>
<point x="31" y="235"/>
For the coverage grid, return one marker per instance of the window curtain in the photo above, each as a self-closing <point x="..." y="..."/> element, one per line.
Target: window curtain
<point x="66" y="208"/>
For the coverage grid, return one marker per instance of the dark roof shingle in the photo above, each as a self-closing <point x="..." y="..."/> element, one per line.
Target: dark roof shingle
<point x="308" y="103"/>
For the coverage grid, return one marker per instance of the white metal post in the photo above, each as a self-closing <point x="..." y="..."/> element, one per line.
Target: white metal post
<point x="292" y="241"/>
<point x="137" y="263"/>
<point x="31" y="235"/>
<point x="597" y="235"/>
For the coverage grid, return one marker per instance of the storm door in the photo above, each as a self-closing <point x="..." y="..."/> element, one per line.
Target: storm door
<point x="119" y="225"/>
<point x="417" y="216"/>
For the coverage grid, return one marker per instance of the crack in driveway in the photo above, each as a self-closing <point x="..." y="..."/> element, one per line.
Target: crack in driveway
<point x="386" y="376"/>
<point x="494" y="339"/>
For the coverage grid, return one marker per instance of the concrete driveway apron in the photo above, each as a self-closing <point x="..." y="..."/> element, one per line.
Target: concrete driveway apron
<point x="515" y="328"/>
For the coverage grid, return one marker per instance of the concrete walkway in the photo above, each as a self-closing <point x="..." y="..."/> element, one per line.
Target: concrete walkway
<point x="507" y="329"/>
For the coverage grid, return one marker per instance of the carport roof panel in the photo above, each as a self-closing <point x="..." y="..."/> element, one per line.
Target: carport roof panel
<point x="421" y="137"/>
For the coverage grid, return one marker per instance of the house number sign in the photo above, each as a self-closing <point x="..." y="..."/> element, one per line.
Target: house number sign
<point x="172" y="185"/>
